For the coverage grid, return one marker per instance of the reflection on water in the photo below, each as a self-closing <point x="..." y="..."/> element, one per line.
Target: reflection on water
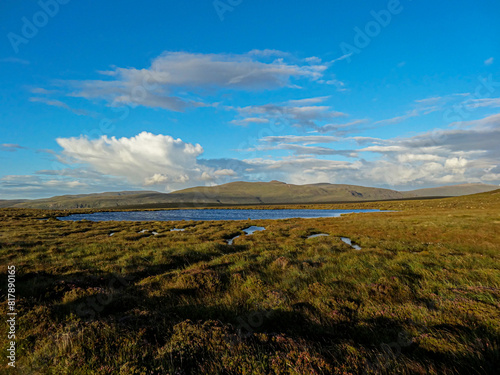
<point x="349" y="242"/>
<point x="318" y="235"/>
<point x="248" y="231"/>
<point x="208" y="214"/>
<point x="253" y="229"/>
<point x="154" y="233"/>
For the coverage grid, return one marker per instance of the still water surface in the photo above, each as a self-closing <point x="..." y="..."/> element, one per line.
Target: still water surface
<point x="208" y="214"/>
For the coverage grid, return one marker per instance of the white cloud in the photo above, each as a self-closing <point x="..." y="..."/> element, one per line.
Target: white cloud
<point x="432" y="100"/>
<point x="156" y="179"/>
<point x="398" y="119"/>
<point x="144" y="160"/>
<point x="28" y="186"/>
<point x="225" y="172"/>
<point x="429" y="105"/>
<point x="250" y="120"/>
<point x="41" y="90"/>
<point x="489" y="61"/>
<point x="60" y="104"/>
<point x="428" y="159"/>
<point x="268" y="53"/>
<point x="305" y="150"/>
<point x="457" y="165"/>
<point x="174" y="77"/>
<point x="443" y="156"/>
<point x="485" y="102"/>
<point x="10" y="147"/>
<point x="300" y="113"/>
<point x="305" y="139"/>
<point x="343" y="57"/>
<point x="307" y="101"/>
<point x="301" y="170"/>
<point x="408" y="158"/>
<point x="340" y="128"/>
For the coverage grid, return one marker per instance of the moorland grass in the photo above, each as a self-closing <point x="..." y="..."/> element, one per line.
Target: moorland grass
<point x="421" y="297"/>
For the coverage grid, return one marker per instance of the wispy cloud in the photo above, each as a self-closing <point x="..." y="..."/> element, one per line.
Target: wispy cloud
<point x="489" y="61"/>
<point x="304" y="139"/>
<point x="432" y="100"/>
<point x="250" y="120"/>
<point x="60" y="104"/>
<point x="41" y="90"/>
<point x="346" y="56"/>
<point x="398" y="119"/>
<point x="269" y="53"/>
<point x="14" y="60"/>
<point x="308" y="101"/>
<point x="305" y="150"/>
<point x="26" y="186"/>
<point x="422" y="107"/>
<point x="341" y="128"/>
<point x="174" y="78"/>
<point x="303" y="113"/>
<point x="487" y="102"/>
<point x="10" y="147"/>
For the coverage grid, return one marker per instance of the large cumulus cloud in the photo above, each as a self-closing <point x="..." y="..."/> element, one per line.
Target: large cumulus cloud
<point x="146" y="159"/>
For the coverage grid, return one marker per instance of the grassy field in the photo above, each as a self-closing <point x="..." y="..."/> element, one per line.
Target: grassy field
<point x="421" y="297"/>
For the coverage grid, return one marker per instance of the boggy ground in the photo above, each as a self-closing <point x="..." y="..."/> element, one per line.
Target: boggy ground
<point x="421" y="297"/>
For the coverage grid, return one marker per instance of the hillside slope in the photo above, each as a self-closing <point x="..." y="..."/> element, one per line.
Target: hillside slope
<point x="452" y="190"/>
<point x="232" y="193"/>
<point x="280" y="192"/>
<point x="273" y="192"/>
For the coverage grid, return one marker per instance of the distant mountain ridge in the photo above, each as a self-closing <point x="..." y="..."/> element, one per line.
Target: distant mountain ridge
<point x="454" y="190"/>
<point x="234" y="193"/>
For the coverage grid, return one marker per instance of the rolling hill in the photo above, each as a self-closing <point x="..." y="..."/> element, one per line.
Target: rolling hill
<point x="453" y="190"/>
<point x="274" y="192"/>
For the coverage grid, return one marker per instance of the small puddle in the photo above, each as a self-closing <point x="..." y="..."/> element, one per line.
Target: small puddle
<point x="253" y="229"/>
<point x="349" y="242"/>
<point x="154" y="233"/>
<point x="318" y="235"/>
<point x="177" y="230"/>
<point x="248" y="231"/>
<point x="230" y="242"/>
<point x="111" y="234"/>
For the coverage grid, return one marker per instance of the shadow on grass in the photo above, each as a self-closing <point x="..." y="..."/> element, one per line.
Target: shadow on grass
<point x="121" y="300"/>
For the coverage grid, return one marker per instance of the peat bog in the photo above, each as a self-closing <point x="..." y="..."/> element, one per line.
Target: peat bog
<point x="422" y="296"/>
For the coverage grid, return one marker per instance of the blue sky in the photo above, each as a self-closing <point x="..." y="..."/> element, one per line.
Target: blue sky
<point x="169" y="94"/>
